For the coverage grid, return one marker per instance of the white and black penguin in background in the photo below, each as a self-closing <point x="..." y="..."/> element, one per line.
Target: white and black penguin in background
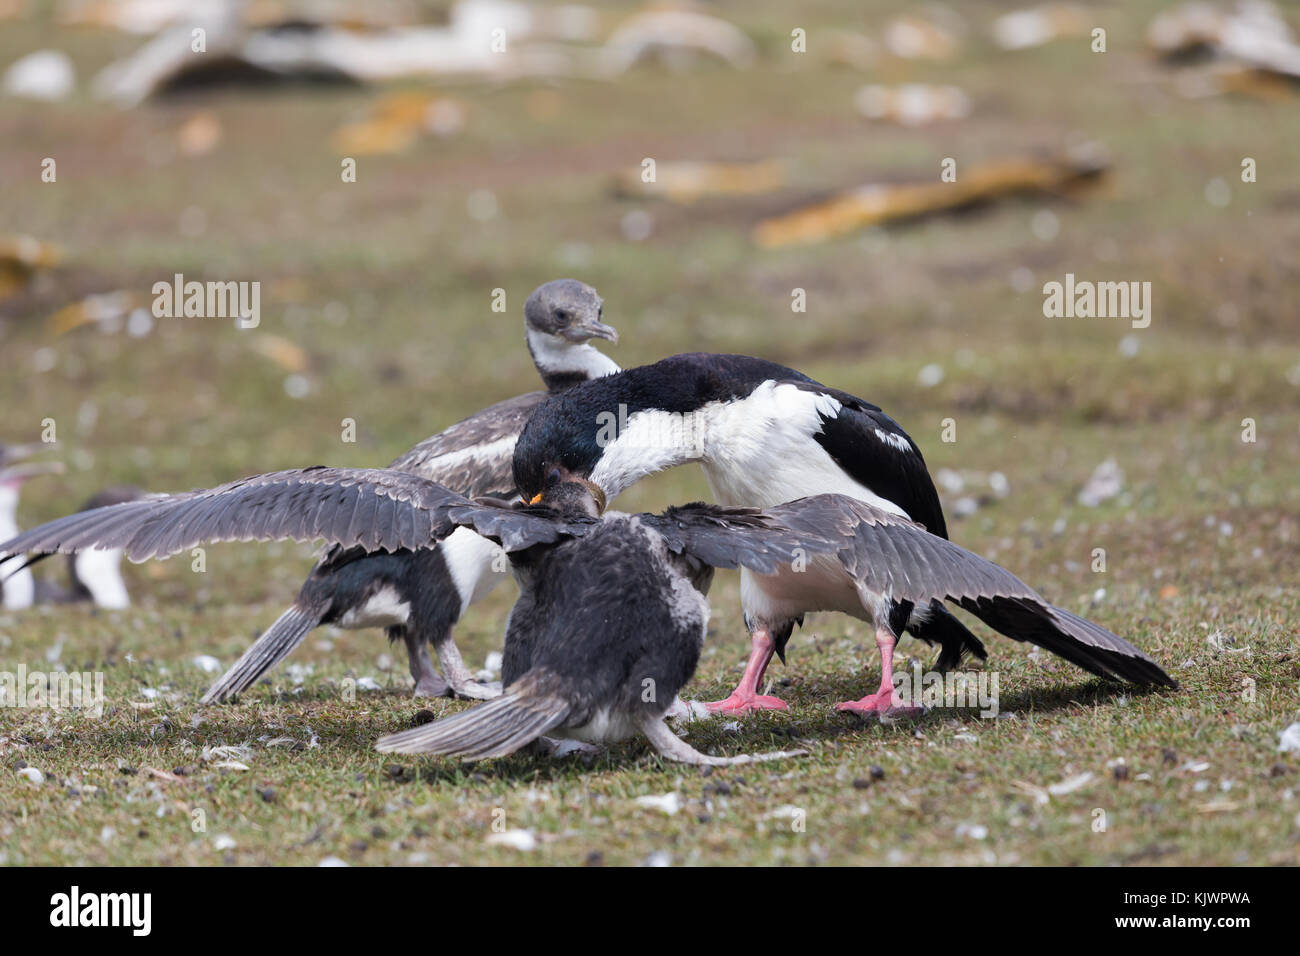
<point x="19" y="590"/>
<point x="419" y="596"/>
<point x="611" y="615"/>
<point x="94" y="575"/>
<point x="764" y="434"/>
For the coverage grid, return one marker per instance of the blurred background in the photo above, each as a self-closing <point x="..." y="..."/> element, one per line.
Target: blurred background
<point x="708" y="167"/>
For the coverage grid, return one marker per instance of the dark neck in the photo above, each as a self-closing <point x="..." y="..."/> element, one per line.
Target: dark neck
<point x="560" y="381"/>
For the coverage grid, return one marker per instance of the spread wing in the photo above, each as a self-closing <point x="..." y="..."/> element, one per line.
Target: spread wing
<point x="474" y="455"/>
<point x="372" y="508"/>
<point x="515" y="526"/>
<point x="734" y="537"/>
<point x="889" y="555"/>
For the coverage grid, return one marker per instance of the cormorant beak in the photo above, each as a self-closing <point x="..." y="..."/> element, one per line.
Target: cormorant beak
<point x="560" y="477"/>
<point x="19" y="473"/>
<point x="591" y="329"/>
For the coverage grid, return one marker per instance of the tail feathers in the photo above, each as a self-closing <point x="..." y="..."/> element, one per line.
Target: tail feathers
<point x="953" y="637"/>
<point x="275" y="644"/>
<point x="1078" y="640"/>
<point x="492" y="729"/>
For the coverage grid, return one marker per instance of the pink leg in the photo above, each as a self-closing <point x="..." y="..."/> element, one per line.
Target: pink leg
<point x="885" y="702"/>
<point x="746" y="696"/>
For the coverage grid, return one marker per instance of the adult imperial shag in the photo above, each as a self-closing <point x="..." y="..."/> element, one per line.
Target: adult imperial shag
<point x="764" y="434"/>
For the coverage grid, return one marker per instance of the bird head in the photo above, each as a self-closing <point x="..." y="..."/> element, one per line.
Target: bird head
<point x="570" y="494"/>
<point x="567" y="312"/>
<point x="15" y="469"/>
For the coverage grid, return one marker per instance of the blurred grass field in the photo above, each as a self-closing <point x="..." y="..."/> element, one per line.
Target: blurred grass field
<point x="387" y="286"/>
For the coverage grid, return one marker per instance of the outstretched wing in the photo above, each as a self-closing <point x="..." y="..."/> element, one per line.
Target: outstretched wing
<point x="515" y="526"/>
<point x="734" y="537"/>
<point x="891" y="556"/>
<point x="372" y="508"/>
<point x="474" y="455"/>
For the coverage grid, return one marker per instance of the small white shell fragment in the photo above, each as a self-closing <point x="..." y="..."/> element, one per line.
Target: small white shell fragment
<point x="669" y="803"/>
<point x="1071" y="784"/>
<point x="524" y="840"/>
<point x="206" y="663"/>
<point x="1289" y="741"/>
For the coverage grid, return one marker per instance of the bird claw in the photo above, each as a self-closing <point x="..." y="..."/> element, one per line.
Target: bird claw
<point x="884" y="705"/>
<point x="686" y="710"/>
<point x="473" y="690"/>
<point x="564" y="748"/>
<point x="431" y="686"/>
<point x="739" y="703"/>
<point x="557" y="748"/>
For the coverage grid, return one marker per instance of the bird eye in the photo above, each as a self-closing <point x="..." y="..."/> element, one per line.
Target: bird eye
<point x="562" y="316"/>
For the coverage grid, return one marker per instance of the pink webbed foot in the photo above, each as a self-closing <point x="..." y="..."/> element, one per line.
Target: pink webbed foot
<point x="739" y="703"/>
<point x="886" y="703"/>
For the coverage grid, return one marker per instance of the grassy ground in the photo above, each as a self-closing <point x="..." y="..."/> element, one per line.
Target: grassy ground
<point x="386" y="284"/>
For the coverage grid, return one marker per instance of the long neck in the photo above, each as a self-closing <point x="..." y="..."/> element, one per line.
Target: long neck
<point x="562" y="364"/>
<point x="642" y="443"/>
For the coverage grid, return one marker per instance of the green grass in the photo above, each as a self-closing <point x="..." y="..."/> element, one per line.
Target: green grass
<point x="387" y="283"/>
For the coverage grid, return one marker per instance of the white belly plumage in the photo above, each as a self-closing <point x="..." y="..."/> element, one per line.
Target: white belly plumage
<point x="762" y="452"/>
<point x="100" y="571"/>
<point x="19" y="589"/>
<point x="384" y="608"/>
<point x="475" y="565"/>
<point x="603" y="728"/>
<point x="823" y="585"/>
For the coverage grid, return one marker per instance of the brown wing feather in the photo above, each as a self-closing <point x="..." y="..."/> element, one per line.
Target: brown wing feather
<point x="474" y="455"/>
<point x="336" y="504"/>
<point x="373" y="508"/>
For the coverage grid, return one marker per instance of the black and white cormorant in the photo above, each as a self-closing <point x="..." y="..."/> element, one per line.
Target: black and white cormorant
<point x="611" y="614"/>
<point x="418" y="596"/>
<point x="764" y="434"/>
